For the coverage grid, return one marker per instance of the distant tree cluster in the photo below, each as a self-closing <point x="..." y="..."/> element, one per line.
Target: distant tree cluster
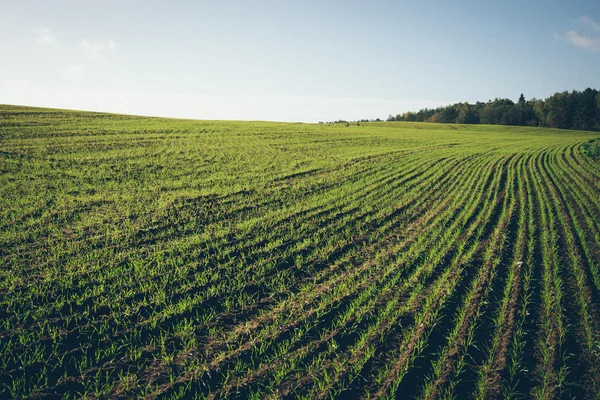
<point x="564" y="110"/>
<point x="347" y="123"/>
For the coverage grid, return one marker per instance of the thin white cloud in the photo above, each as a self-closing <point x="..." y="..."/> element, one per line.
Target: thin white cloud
<point x="590" y="22"/>
<point x="583" y="42"/>
<point x="45" y="36"/>
<point x="97" y="50"/>
<point x="73" y="71"/>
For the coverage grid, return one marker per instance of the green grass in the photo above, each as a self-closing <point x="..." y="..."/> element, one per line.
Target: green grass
<point x="592" y="148"/>
<point x="162" y="258"/>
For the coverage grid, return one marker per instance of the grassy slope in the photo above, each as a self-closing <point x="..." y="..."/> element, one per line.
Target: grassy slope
<point x="164" y="257"/>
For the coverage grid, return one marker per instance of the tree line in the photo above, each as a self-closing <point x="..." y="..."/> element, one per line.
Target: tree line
<point x="564" y="110"/>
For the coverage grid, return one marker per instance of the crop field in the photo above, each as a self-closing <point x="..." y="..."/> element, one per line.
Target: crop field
<point x="162" y="258"/>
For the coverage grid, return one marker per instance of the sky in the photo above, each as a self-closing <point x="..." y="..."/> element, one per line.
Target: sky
<point x="302" y="60"/>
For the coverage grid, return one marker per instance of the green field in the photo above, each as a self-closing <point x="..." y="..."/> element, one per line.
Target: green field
<point x="161" y="258"/>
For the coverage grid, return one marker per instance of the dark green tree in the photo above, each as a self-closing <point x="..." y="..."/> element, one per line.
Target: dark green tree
<point x="466" y="115"/>
<point x="566" y="110"/>
<point x="584" y="117"/>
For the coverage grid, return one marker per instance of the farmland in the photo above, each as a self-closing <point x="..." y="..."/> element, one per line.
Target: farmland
<point x="162" y="258"/>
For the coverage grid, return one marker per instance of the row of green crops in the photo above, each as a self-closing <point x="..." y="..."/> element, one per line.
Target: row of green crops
<point x="160" y="258"/>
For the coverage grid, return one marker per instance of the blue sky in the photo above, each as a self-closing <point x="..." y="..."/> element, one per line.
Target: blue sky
<point x="292" y="60"/>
